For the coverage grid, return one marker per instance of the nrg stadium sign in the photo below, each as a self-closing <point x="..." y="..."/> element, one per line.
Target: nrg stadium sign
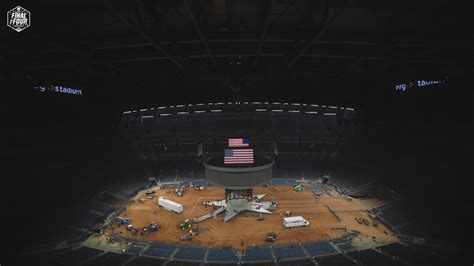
<point x="417" y="83"/>
<point x="59" y="89"/>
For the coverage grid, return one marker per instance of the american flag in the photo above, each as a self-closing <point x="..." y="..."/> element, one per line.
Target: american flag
<point x="238" y="156"/>
<point x="240" y="142"/>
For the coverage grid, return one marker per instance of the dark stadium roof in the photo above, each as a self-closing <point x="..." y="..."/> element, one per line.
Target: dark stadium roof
<point x="235" y="45"/>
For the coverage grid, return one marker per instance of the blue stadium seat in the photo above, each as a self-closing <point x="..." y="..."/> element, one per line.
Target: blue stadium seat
<point x="279" y="181"/>
<point x="257" y="254"/>
<point x="319" y="248"/>
<point x="224" y="255"/>
<point x="134" y="250"/>
<point x="159" y="250"/>
<point x="190" y="253"/>
<point x="288" y="252"/>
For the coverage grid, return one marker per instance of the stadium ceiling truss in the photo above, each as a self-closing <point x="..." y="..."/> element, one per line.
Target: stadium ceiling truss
<point x="145" y="32"/>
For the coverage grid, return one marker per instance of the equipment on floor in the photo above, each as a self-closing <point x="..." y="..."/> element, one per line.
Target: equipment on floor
<point x="185" y="224"/>
<point x="194" y="231"/>
<point x="123" y="220"/>
<point x="295" y="221"/>
<point x="271" y="237"/>
<point x="298" y="187"/>
<point x="170" y="205"/>
<point x="153" y="226"/>
<point x="186" y="238"/>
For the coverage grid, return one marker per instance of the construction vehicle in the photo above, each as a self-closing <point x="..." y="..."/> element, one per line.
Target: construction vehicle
<point x="194" y="231"/>
<point x="179" y="190"/>
<point x="129" y="227"/>
<point x="298" y="187"/>
<point x="153" y="226"/>
<point x="287" y="213"/>
<point x="150" y="192"/>
<point x="186" y="238"/>
<point x="271" y="237"/>
<point x="123" y="220"/>
<point x="185" y="224"/>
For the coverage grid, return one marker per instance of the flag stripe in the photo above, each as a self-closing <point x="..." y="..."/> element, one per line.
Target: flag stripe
<point x="238" y="142"/>
<point x="235" y="156"/>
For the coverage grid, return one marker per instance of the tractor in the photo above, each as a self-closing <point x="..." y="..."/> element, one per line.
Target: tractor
<point x="185" y="224"/>
<point x="298" y="187"/>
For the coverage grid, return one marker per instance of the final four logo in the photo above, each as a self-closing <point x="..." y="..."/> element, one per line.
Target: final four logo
<point x="18" y="18"/>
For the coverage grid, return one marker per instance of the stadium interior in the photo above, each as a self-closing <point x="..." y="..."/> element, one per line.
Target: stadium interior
<point x="367" y="101"/>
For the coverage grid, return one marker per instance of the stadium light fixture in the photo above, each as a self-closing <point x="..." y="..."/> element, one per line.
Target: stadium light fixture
<point x="261" y="110"/>
<point x="183" y="113"/>
<point x="297" y="104"/>
<point x="147" y="116"/>
<point x="349" y="109"/>
<point x="293" y="111"/>
<point x="141" y="110"/>
<point x="199" y="111"/>
<point x="277" y="110"/>
<point x="179" y="105"/>
<point x="311" y="112"/>
<point x="165" y="114"/>
<point x="161" y="107"/>
<point x="216" y="110"/>
<point x="329" y="113"/>
<point x="332" y="107"/>
<point x="315" y="105"/>
<point x="127" y="112"/>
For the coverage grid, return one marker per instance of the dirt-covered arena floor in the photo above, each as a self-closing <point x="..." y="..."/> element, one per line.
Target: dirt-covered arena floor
<point x="245" y="227"/>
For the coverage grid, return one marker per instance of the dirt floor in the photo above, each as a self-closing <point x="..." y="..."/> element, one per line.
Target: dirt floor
<point x="244" y="227"/>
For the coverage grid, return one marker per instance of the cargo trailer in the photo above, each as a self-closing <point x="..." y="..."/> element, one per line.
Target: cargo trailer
<point x="295" y="221"/>
<point x="170" y="205"/>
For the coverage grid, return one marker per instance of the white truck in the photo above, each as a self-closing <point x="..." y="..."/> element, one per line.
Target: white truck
<point x="170" y="205"/>
<point x="289" y="222"/>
